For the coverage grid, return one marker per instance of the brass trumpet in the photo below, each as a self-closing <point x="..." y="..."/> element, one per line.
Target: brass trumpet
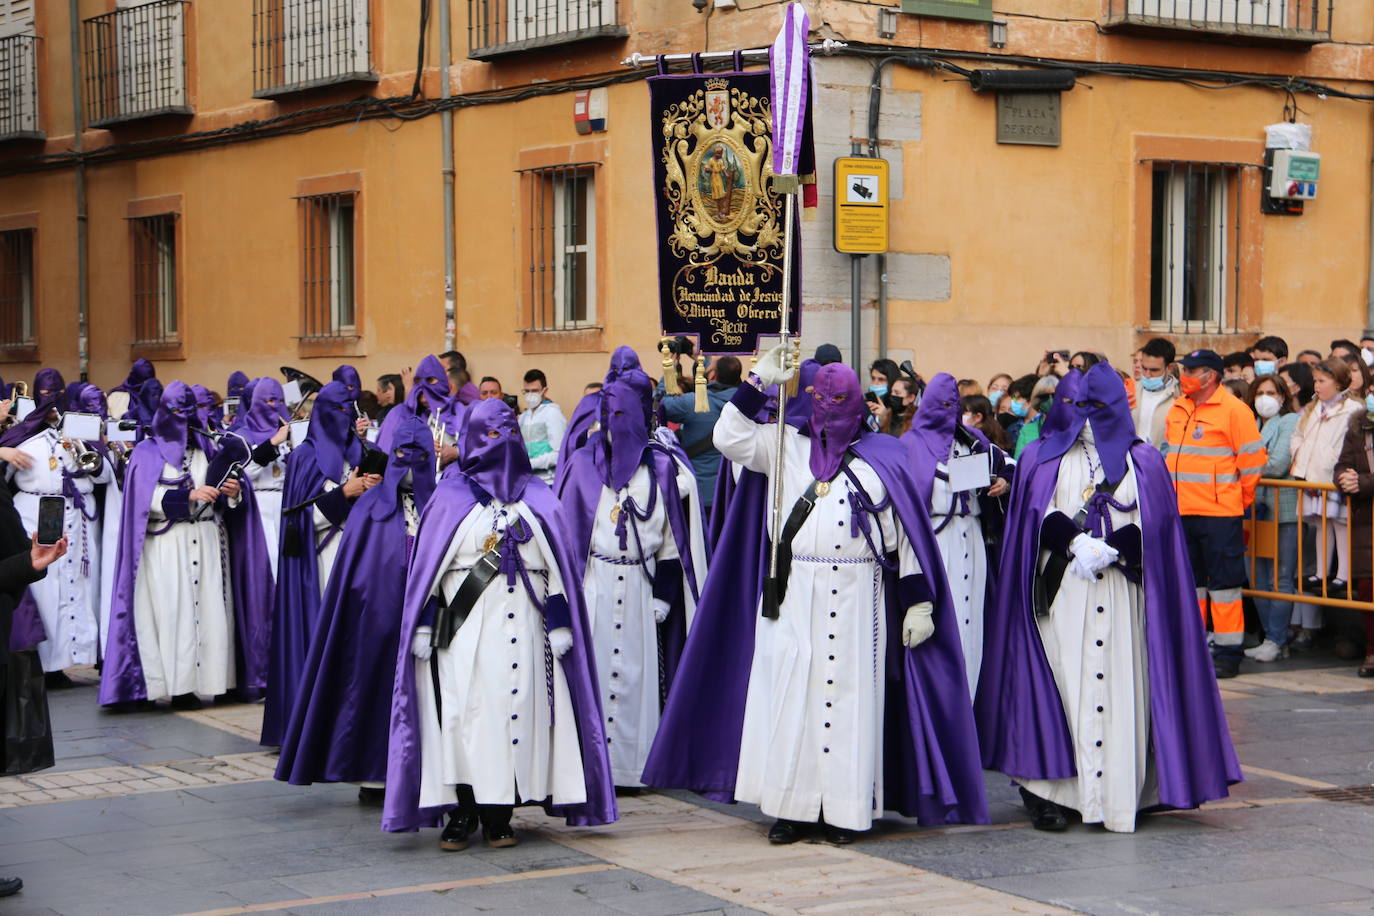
<point x="87" y="459"/>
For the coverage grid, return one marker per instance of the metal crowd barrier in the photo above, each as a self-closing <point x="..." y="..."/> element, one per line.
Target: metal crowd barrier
<point x="1261" y="542"/>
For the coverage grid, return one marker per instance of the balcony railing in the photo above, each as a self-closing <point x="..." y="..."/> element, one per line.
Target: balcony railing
<point x="302" y="44"/>
<point x="497" y="27"/>
<point x="1292" y="23"/>
<point x="136" y="63"/>
<point x="19" y="89"/>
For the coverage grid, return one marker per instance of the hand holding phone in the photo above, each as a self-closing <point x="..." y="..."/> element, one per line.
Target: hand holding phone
<point x="51" y="516"/>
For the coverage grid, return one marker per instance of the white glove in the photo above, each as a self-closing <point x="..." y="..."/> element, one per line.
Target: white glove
<point x="560" y="641"/>
<point x="661" y="609"/>
<point x="918" y="626"/>
<point x="770" y="370"/>
<point x="1090" y="556"/>
<point x="419" y="643"/>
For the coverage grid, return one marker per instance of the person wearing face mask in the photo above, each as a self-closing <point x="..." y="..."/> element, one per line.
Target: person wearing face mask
<point x="1270" y="355"/>
<point x="1271" y="403"/>
<point x="1041" y="399"/>
<point x="172" y="618"/>
<point x="881" y="375"/>
<point x="1017" y="405"/>
<point x="494" y="701"/>
<point x="895" y="409"/>
<point x="997" y="389"/>
<point x="341" y="720"/>
<point x="967" y="519"/>
<point x="1096" y="695"/>
<point x="1155" y="390"/>
<point x="542" y="425"/>
<point x="632" y="511"/>
<point x="322" y="485"/>
<point x="978" y="414"/>
<point x="779" y="705"/>
<point x="40" y="462"/>
<point x="1354" y="475"/>
<point x="1215" y="456"/>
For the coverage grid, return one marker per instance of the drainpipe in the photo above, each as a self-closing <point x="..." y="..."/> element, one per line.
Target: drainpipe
<point x="446" y="155"/>
<point x="83" y="356"/>
<point x="1369" y="295"/>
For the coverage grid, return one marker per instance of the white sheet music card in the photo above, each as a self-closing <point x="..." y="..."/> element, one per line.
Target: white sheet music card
<point x="292" y="392"/>
<point x="970" y="472"/>
<point x="298" y="430"/>
<point x="22" y="407"/>
<point x="373" y="432"/>
<point x="115" y="434"/>
<point x="84" y="426"/>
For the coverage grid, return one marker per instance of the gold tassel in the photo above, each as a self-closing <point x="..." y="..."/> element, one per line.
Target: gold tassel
<point x="703" y="403"/>
<point x="670" y="383"/>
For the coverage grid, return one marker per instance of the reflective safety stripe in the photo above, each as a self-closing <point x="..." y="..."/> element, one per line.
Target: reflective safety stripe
<point x="1184" y="477"/>
<point x="1251" y="472"/>
<point x="1251" y="448"/>
<point x="1210" y="451"/>
<point x="1225" y="595"/>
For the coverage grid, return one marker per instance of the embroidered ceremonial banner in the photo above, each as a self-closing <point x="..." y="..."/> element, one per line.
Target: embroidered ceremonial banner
<point x="720" y="227"/>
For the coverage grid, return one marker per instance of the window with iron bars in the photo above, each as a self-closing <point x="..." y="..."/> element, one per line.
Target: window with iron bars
<point x="156" y="318"/>
<point x="560" y="219"/>
<point x="328" y="288"/>
<point x="18" y="72"/>
<point x="136" y="62"/>
<point x="300" y="44"/>
<point x="1258" y="17"/>
<point x="506" y="26"/>
<point x="1195" y="247"/>
<point x="16" y="288"/>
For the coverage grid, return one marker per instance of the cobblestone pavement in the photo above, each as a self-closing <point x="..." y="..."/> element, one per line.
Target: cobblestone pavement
<point x="161" y="812"/>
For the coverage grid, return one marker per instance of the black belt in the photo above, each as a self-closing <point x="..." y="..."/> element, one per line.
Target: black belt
<point x="775" y="588"/>
<point x="454" y="614"/>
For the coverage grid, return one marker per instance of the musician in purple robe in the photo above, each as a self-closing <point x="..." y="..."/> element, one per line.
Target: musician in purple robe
<point x="1097" y="693"/>
<point x="341" y="719"/>
<point x="172" y="611"/>
<point x="263" y="422"/>
<point x="322" y="484"/>
<point x="840" y="691"/>
<point x="495" y="701"/>
<point x="121" y="396"/>
<point x="428" y="399"/>
<point x="633" y="511"/>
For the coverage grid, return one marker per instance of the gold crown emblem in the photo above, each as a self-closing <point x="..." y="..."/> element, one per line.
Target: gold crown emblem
<point x="717" y="83"/>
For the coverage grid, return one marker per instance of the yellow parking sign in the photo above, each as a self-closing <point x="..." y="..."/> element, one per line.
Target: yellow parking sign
<point x="860" y="205"/>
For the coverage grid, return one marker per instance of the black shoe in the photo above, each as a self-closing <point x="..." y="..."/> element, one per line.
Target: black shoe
<point x="460" y="827"/>
<point x="1312" y="585"/>
<point x="57" y="680"/>
<point x="1226" y="665"/>
<point x="187" y="701"/>
<point x="371" y="797"/>
<point x="127" y="706"/>
<point x="500" y="836"/>
<point x="839" y="836"/>
<point x="10" y="886"/>
<point x="784" y="832"/>
<point x="1045" y="815"/>
<point x="629" y="791"/>
<point x="1337" y="588"/>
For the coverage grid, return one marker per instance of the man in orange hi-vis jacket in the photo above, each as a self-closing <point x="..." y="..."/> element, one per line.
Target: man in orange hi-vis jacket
<point x="1215" y="455"/>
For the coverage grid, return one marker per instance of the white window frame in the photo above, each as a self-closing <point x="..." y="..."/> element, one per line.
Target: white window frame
<point x="565" y="249"/>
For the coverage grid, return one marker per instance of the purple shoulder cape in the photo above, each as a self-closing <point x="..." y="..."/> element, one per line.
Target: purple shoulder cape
<point x="1021" y="720"/>
<point x="452" y="501"/>
<point x="931" y="764"/>
<point x="340" y="720"/>
<point x="250" y="575"/>
<point x="296" y="602"/>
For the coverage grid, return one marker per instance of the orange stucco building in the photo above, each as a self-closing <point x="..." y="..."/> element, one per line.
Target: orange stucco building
<point x="262" y="187"/>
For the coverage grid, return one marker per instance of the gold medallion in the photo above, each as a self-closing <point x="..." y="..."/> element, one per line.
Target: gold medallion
<point x="491" y="543"/>
<point x="52" y="462"/>
<point x="1088" y="492"/>
<point x="276" y="470"/>
<point x="822" y="489"/>
<point x="615" y="514"/>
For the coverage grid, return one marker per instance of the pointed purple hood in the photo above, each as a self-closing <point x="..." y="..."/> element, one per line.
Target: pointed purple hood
<point x="261" y="411"/>
<point x="140" y="372"/>
<point x="938" y="417"/>
<point x="331" y="432"/>
<point x="347" y="376"/>
<point x="494" y="455"/>
<point x="49" y="394"/>
<point x="411" y="452"/>
<point x="1063" y="422"/>
<point x="90" y="399"/>
<point x="837" y="414"/>
<point x="431" y="380"/>
<point x="624" y="428"/>
<point x="237" y="381"/>
<point x="48" y="385"/>
<point x="175" y="412"/>
<point x="1102" y="402"/>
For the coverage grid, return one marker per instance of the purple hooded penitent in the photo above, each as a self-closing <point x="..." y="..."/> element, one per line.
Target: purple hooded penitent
<point x="237" y="382"/>
<point x="340" y="722"/>
<point x="930" y="750"/>
<point x="330" y="447"/>
<point x="140" y="372"/>
<point x="837" y="412"/>
<point x="261" y="417"/>
<point x="451" y="503"/>
<point x="49" y="393"/>
<point x="347" y="376"/>
<point x="207" y="417"/>
<point x="431" y="384"/>
<point x="588" y="410"/>
<point x="121" y="679"/>
<point x="624" y="431"/>
<point x="1021" y="721"/>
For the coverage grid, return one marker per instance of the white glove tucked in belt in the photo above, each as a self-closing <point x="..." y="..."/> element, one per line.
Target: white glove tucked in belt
<point x="918" y="626"/>
<point x="419" y="643"/>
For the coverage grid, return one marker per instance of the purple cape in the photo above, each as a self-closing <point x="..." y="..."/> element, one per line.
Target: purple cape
<point x="341" y="718"/>
<point x="250" y="577"/>
<point x="453" y="500"/>
<point x="579" y="492"/>
<point x="930" y="750"/>
<point x="1021" y="722"/>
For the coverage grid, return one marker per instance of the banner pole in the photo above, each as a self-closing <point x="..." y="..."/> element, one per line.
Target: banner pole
<point x="784" y="333"/>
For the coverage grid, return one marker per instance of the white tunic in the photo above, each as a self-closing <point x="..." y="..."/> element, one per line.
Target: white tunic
<point x="1094" y="638"/>
<point x="68" y="597"/>
<point x="267" y="489"/>
<point x="495" y="727"/>
<point x="966" y="564"/>
<point x="183" y="600"/>
<point x="813" y="716"/>
<point x="620" y="602"/>
<point x="327" y="537"/>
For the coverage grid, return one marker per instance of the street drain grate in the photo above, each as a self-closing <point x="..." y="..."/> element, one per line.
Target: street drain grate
<point x="1352" y="795"/>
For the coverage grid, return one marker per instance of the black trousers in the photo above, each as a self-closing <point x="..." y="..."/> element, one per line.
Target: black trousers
<point x="491" y="816"/>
